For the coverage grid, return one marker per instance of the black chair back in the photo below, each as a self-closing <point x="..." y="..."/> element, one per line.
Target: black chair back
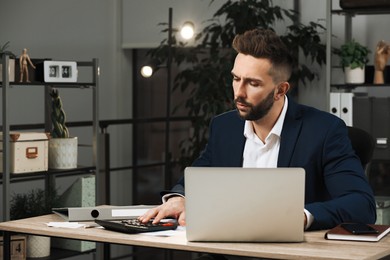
<point x="363" y="144"/>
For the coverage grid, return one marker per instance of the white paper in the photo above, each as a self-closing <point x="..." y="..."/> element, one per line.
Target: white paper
<point x="179" y="231"/>
<point x="66" y="224"/>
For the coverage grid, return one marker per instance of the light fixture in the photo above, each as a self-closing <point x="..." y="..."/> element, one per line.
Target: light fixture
<point x="147" y="71"/>
<point x="187" y="30"/>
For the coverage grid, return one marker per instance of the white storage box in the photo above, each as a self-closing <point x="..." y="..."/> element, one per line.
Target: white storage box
<point x="28" y="152"/>
<point x="80" y="194"/>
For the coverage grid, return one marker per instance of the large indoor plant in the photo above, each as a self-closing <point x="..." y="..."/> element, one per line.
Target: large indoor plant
<point x="62" y="147"/>
<point x="207" y="73"/>
<point x="353" y="59"/>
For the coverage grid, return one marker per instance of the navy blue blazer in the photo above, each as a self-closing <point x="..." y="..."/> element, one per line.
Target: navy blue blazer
<point x="337" y="189"/>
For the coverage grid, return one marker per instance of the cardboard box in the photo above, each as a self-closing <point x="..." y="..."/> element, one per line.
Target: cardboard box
<point x="80" y="194"/>
<point x="28" y="152"/>
<point x="18" y="247"/>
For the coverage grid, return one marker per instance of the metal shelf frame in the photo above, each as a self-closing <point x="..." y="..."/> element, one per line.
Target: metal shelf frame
<point x="50" y="175"/>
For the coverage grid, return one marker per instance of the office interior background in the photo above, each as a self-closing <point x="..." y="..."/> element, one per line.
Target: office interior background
<point x="119" y="33"/>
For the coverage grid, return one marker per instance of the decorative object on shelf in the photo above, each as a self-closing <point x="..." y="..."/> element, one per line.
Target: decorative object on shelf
<point x="36" y="202"/>
<point x="381" y="57"/>
<point x="24" y="61"/>
<point x="11" y="68"/>
<point x="62" y="147"/>
<point x="353" y="59"/>
<point x="28" y="152"/>
<point x="18" y="245"/>
<point x="60" y="71"/>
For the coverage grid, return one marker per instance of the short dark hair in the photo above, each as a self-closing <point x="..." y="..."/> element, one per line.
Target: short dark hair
<point x="265" y="43"/>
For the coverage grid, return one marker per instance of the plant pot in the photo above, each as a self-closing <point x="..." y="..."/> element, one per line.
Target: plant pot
<point x="63" y="153"/>
<point x="38" y="246"/>
<point x="354" y="76"/>
<point x="11" y="70"/>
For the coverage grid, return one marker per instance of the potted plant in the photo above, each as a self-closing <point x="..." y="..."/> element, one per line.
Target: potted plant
<point x="62" y="147"/>
<point x="34" y="203"/>
<point x="353" y="59"/>
<point x="12" y="56"/>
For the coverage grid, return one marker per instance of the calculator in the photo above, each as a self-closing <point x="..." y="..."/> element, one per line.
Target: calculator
<point x="133" y="226"/>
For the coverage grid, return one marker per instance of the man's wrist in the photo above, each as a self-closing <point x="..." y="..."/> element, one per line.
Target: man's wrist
<point x="166" y="197"/>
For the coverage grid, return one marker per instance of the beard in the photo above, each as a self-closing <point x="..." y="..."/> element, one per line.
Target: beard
<point x="258" y="111"/>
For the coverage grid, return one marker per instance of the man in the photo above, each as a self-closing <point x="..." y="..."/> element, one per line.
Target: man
<point x="270" y="130"/>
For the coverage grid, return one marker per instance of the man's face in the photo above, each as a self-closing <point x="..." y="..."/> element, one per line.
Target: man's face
<point x="253" y="87"/>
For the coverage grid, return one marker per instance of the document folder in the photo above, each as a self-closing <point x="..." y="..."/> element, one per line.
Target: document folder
<point x="101" y="212"/>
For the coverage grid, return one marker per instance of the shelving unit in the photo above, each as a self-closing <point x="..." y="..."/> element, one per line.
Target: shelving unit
<point x="50" y="175"/>
<point x="348" y="14"/>
<point x="367" y="104"/>
<point x="333" y="86"/>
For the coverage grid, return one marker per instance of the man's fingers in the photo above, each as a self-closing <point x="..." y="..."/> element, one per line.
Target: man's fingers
<point x="161" y="214"/>
<point x="148" y="215"/>
<point x="182" y="219"/>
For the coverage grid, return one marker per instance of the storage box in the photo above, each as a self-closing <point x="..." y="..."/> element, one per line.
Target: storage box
<point x="382" y="210"/>
<point x="18" y="247"/>
<point x="80" y="194"/>
<point x="28" y="152"/>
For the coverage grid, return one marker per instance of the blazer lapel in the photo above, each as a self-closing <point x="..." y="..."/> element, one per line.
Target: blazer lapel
<point x="291" y="128"/>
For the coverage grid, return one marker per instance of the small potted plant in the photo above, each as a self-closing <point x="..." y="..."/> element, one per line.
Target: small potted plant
<point x="353" y="59"/>
<point x="34" y="203"/>
<point x="62" y="147"/>
<point x="12" y="56"/>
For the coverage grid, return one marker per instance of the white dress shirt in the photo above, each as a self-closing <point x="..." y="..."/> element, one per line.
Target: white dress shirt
<point x="263" y="155"/>
<point x="259" y="154"/>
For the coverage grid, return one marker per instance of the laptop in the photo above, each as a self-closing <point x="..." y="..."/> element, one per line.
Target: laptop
<point x="244" y="204"/>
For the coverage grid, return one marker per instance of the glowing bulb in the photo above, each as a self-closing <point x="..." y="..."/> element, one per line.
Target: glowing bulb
<point x="146" y="71"/>
<point x="187" y="30"/>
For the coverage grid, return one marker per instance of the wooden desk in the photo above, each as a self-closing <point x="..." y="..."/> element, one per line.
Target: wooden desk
<point x="314" y="247"/>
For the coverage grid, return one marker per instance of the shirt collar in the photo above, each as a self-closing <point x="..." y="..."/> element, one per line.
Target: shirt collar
<point x="276" y="129"/>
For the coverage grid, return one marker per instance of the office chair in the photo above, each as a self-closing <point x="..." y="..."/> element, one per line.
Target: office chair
<point x="363" y="144"/>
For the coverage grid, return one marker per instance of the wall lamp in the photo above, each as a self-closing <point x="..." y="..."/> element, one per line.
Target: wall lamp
<point x="147" y="71"/>
<point x="187" y="32"/>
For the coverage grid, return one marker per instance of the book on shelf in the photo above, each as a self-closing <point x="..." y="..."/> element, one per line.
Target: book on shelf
<point x="341" y="233"/>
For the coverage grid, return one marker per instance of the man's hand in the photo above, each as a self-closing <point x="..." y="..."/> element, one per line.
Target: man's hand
<point x="174" y="207"/>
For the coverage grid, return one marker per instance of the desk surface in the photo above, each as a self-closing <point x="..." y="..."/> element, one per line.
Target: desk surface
<point x="314" y="246"/>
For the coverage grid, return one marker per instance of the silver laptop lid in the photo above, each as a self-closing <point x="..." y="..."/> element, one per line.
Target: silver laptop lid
<point x="244" y="204"/>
